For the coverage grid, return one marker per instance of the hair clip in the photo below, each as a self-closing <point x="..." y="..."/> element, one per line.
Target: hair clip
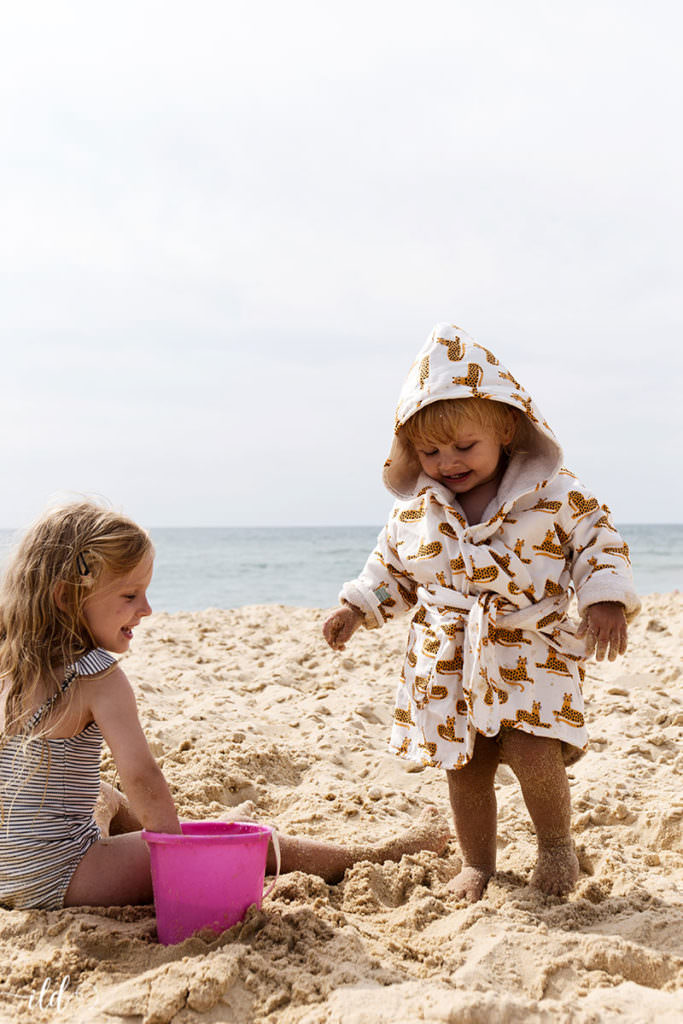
<point x="83" y="567"/>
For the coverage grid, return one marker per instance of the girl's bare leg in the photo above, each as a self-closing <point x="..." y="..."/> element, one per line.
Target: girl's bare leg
<point x="473" y="800"/>
<point x="537" y="762"/>
<point x="330" y="860"/>
<point x="114" y="873"/>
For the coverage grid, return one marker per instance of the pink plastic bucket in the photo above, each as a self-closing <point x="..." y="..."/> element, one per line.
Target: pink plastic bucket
<point x="209" y="876"/>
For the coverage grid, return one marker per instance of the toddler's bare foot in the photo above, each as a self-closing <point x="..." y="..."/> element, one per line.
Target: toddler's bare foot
<point x="470" y="883"/>
<point x="557" y="868"/>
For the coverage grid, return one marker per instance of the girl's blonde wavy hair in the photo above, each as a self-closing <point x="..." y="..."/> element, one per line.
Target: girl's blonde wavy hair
<point x="70" y="548"/>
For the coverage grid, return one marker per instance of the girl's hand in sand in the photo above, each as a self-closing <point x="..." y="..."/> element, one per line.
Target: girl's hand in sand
<point x="604" y="626"/>
<point x="340" y="626"/>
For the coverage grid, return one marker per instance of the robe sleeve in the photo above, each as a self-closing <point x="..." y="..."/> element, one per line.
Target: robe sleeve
<point x="601" y="565"/>
<point x="384" y="589"/>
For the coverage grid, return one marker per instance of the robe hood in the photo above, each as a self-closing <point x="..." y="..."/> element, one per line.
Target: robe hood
<point x="452" y="365"/>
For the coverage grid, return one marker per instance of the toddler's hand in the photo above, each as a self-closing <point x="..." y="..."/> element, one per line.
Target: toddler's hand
<point x="604" y="626"/>
<point x="340" y="626"/>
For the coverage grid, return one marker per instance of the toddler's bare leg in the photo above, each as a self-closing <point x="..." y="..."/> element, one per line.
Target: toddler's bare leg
<point x="330" y="860"/>
<point x="473" y="800"/>
<point x="537" y="763"/>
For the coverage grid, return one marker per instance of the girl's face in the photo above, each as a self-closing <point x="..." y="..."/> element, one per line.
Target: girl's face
<point x="471" y="460"/>
<point x="117" y="605"/>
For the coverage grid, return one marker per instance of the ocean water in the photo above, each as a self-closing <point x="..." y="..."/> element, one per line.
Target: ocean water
<point x="305" y="566"/>
<point x="227" y="567"/>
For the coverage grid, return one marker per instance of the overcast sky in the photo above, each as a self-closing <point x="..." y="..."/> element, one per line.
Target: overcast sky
<point x="227" y="227"/>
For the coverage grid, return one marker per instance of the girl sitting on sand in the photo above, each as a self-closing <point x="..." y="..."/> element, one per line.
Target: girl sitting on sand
<point x="489" y="538"/>
<point x="72" y="595"/>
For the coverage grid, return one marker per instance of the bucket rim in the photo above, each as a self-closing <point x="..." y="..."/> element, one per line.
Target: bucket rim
<point x="250" y="830"/>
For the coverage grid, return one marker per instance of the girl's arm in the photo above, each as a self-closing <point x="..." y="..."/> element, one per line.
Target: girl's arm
<point x="113" y="707"/>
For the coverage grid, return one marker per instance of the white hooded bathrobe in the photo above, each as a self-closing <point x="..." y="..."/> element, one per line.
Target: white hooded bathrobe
<point x="491" y="645"/>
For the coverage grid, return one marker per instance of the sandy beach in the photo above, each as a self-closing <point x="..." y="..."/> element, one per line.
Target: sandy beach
<point x="249" y="713"/>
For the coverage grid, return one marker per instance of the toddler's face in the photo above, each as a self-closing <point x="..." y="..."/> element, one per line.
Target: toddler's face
<point x="471" y="460"/>
<point x="117" y="605"/>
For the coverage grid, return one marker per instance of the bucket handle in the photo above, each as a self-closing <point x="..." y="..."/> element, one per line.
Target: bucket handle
<point x="276" y="846"/>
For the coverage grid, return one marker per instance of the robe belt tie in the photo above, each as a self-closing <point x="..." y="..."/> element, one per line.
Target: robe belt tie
<point x="486" y="625"/>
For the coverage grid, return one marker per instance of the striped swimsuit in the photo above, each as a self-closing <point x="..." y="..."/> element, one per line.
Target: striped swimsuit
<point x="48" y="789"/>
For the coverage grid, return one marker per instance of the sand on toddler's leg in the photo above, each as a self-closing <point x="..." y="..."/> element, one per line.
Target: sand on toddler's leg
<point x="538" y="764"/>
<point x="473" y="802"/>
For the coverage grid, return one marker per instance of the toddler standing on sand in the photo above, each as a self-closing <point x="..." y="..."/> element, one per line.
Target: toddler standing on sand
<point x="489" y="538"/>
<point x="74" y="592"/>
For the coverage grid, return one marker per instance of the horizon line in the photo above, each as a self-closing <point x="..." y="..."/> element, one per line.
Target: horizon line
<point x="320" y="526"/>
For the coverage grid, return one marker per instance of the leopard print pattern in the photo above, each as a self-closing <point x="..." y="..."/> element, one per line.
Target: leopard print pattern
<point x="516" y="676"/>
<point x="503" y="561"/>
<point x="430" y="550"/>
<point x="620" y="552"/>
<point x="403" y="717"/>
<point x="568" y="714"/>
<point x="506" y="637"/>
<point x="519" y="549"/>
<point x="526" y="404"/>
<point x="474" y="377"/>
<point x="447" y="731"/>
<point x="431" y="644"/>
<point x="529" y="717"/>
<point x="549" y="548"/>
<point x="492" y="689"/>
<point x="554" y="664"/>
<point x="581" y="506"/>
<point x="508" y="376"/>
<point x="487" y="574"/>
<point x="490" y="358"/>
<point x="455" y="348"/>
<point x="551" y="507"/>
<point x="545" y="621"/>
<point x="413" y="515"/>
<point x="451" y="666"/>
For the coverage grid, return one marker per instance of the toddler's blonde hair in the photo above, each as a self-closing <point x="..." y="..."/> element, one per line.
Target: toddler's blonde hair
<point x="441" y="422"/>
<point x="70" y="548"/>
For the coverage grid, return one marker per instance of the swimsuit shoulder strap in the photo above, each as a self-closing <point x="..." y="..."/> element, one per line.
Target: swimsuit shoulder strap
<point x="91" y="664"/>
<point x="94" y="662"/>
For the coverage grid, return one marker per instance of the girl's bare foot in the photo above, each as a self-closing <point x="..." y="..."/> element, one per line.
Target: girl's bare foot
<point x="470" y="883"/>
<point x="331" y="860"/>
<point x="557" y="868"/>
<point x="431" y="831"/>
<point x="112" y="812"/>
<point x="106" y="807"/>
